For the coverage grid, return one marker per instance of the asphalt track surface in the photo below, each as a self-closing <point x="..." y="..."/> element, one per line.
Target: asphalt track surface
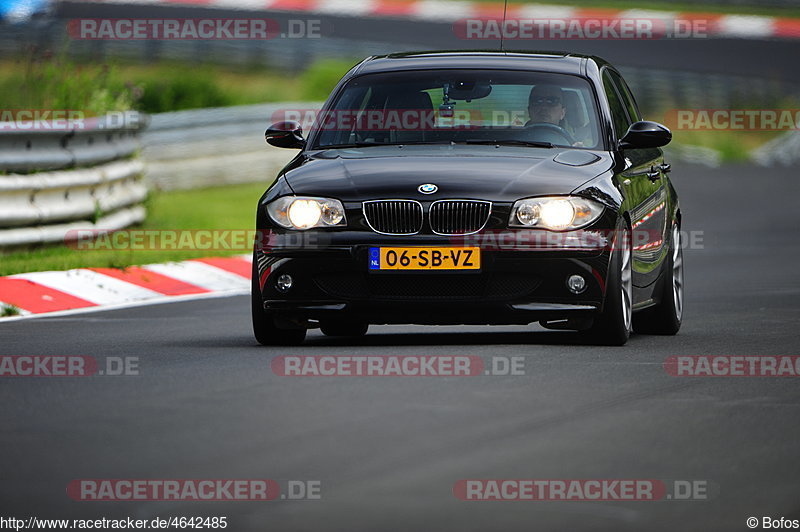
<point x="388" y="450"/>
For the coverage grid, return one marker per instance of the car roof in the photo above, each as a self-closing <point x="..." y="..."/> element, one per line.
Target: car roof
<point x="559" y="62"/>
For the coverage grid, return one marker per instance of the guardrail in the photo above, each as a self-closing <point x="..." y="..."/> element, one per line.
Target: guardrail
<point x="53" y="181"/>
<point x="781" y="151"/>
<point x="208" y="147"/>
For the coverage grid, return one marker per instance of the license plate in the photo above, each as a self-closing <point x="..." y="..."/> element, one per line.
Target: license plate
<point x="425" y="258"/>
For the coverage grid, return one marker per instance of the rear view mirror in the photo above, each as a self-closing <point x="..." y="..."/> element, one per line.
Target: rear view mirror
<point x="287" y="134"/>
<point x="469" y="90"/>
<point x="645" y="134"/>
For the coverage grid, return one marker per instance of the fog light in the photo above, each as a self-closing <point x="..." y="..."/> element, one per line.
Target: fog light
<point x="284" y="283"/>
<point x="576" y="284"/>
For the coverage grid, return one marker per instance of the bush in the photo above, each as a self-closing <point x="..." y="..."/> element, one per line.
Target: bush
<point x="321" y="77"/>
<point x="47" y="82"/>
<point x="184" y="91"/>
<point x="56" y="83"/>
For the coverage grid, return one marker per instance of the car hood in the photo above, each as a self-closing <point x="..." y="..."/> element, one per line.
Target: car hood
<point x="500" y="174"/>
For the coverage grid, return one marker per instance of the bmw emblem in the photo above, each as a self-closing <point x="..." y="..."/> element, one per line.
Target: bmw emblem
<point x="427" y="188"/>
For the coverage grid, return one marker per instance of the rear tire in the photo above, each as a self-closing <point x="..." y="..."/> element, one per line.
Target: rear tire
<point x="665" y="317"/>
<point x="339" y="328"/>
<point x="264" y="328"/>
<point x="613" y="326"/>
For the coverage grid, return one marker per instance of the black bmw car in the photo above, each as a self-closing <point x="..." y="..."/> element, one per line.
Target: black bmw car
<point x="471" y="188"/>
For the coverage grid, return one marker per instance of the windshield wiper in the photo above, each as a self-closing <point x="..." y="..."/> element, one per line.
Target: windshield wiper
<point x="369" y="143"/>
<point x="511" y="142"/>
<point x="350" y="145"/>
<point x="507" y="142"/>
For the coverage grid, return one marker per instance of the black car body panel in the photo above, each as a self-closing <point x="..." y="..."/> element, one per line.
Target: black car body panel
<point x="460" y="171"/>
<point x="523" y="271"/>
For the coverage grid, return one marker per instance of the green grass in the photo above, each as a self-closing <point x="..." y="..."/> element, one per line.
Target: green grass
<point x="733" y="146"/>
<point x="54" y="83"/>
<point x="8" y="310"/>
<point x="61" y="83"/>
<point x="223" y="208"/>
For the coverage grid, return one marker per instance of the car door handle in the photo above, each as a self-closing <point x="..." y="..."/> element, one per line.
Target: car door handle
<point x="665" y="167"/>
<point x="654" y="174"/>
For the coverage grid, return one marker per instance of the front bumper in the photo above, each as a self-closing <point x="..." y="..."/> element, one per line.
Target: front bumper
<point x="517" y="284"/>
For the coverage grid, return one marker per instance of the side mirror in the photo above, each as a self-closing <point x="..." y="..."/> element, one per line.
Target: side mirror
<point x="645" y="134"/>
<point x="287" y="134"/>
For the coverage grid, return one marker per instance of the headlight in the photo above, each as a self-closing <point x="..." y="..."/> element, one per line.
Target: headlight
<point x="557" y="213"/>
<point x="299" y="212"/>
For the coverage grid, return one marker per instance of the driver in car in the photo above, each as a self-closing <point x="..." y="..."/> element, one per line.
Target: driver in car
<point x="546" y="106"/>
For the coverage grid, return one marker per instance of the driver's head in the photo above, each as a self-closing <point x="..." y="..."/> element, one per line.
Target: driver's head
<point x="546" y="104"/>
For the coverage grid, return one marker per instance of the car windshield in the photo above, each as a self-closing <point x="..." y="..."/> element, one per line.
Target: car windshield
<point x="461" y="106"/>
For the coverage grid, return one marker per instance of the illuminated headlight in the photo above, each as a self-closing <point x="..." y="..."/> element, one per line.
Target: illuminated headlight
<point x="557" y="213"/>
<point x="299" y="212"/>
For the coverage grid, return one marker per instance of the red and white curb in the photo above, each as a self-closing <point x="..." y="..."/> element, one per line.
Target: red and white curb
<point x="88" y="289"/>
<point x="718" y="25"/>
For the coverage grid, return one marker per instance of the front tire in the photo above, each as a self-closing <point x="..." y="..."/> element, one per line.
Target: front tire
<point x="613" y="326"/>
<point x="264" y="328"/>
<point x="666" y="316"/>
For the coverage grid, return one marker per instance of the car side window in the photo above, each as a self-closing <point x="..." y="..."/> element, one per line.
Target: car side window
<point x="627" y="96"/>
<point x="617" y="107"/>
